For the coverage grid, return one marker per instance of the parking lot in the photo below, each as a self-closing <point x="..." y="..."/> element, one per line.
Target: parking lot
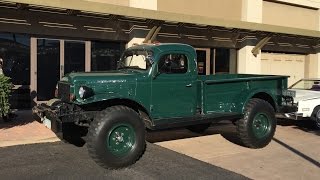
<point x="293" y="153"/>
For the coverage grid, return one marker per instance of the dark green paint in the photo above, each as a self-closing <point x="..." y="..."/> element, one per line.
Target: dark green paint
<point x="121" y="139"/>
<point x="166" y="96"/>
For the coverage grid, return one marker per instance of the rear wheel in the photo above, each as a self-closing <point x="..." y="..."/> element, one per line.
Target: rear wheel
<point x="256" y="129"/>
<point x="116" y="137"/>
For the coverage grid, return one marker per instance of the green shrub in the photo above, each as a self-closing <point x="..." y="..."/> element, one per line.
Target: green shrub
<point x="5" y="89"/>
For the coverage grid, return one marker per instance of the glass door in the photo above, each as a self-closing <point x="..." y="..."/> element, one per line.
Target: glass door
<point x="51" y="59"/>
<point x="48" y="68"/>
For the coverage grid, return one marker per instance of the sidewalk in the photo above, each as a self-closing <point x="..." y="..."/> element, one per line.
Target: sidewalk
<point x="24" y="130"/>
<point x="293" y="154"/>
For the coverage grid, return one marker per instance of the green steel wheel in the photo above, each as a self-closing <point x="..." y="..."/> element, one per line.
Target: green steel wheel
<point x="256" y="129"/>
<point x="261" y="125"/>
<point x="121" y="139"/>
<point x="116" y="137"/>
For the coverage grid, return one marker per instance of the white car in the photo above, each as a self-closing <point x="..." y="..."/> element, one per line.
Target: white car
<point x="307" y="97"/>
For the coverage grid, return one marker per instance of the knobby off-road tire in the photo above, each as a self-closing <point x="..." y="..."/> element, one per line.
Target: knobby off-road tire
<point x="256" y="129"/>
<point x="116" y="137"/>
<point x="199" y="128"/>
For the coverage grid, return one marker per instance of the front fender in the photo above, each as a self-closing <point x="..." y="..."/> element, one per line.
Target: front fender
<point x="114" y="96"/>
<point x="103" y="97"/>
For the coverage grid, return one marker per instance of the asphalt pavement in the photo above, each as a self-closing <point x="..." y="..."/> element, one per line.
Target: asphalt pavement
<point x="65" y="161"/>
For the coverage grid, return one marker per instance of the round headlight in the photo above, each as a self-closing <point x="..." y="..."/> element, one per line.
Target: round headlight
<point x="82" y="91"/>
<point x="85" y="92"/>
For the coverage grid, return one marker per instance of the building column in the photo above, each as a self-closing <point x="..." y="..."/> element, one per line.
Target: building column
<point x="247" y="62"/>
<point x="312" y="63"/>
<point x="87" y="56"/>
<point x="145" y="4"/>
<point x="312" y="66"/>
<point x="134" y="41"/>
<point x="251" y="11"/>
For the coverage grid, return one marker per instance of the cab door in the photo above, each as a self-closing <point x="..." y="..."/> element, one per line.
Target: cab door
<point x="174" y="88"/>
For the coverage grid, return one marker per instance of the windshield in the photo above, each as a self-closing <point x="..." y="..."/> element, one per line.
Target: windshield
<point x="135" y="59"/>
<point x="313" y="85"/>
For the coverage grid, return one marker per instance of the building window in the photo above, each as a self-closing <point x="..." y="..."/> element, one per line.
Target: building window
<point x="223" y="61"/>
<point x="105" y="55"/>
<point x="15" y="52"/>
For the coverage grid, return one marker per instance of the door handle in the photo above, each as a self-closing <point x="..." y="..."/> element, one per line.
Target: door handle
<point x="189" y="85"/>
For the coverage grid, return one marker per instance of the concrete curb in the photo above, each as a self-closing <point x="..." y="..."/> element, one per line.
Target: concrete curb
<point x="31" y="141"/>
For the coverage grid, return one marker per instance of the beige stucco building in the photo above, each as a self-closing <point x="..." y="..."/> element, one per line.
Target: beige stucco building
<point x="55" y="37"/>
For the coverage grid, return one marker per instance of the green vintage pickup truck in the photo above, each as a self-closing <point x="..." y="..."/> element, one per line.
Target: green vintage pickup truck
<point x="157" y="86"/>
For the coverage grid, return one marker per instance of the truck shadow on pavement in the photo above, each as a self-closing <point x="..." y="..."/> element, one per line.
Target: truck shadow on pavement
<point x="303" y="125"/>
<point x="225" y="128"/>
<point x="64" y="161"/>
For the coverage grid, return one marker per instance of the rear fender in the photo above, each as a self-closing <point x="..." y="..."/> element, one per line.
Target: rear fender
<point x="257" y="94"/>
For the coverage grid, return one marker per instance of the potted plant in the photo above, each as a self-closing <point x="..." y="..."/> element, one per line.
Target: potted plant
<point x="5" y="89"/>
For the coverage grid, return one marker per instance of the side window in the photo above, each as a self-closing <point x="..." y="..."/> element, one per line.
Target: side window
<point x="173" y="64"/>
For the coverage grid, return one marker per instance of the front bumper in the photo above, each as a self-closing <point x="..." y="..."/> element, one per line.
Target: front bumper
<point x="46" y="114"/>
<point x="292" y="116"/>
<point x="59" y="117"/>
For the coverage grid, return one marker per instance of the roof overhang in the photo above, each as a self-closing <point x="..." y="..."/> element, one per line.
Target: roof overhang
<point x="104" y="8"/>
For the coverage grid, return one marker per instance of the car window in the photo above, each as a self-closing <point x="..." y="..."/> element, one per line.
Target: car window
<point x="174" y="63"/>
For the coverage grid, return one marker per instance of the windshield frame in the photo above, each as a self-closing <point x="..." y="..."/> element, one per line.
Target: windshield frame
<point x="305" y="80"/>
<point x="148" y="55"/>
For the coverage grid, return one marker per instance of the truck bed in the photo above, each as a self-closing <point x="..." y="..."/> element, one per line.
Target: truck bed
<point x="227" y="93"/>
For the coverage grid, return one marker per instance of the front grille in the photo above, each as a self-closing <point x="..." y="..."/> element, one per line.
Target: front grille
<point x="64" y="91"/>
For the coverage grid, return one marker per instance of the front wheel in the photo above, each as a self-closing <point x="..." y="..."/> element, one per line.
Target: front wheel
<point x="256" y="129"/>
<point x="116" y="137"/>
